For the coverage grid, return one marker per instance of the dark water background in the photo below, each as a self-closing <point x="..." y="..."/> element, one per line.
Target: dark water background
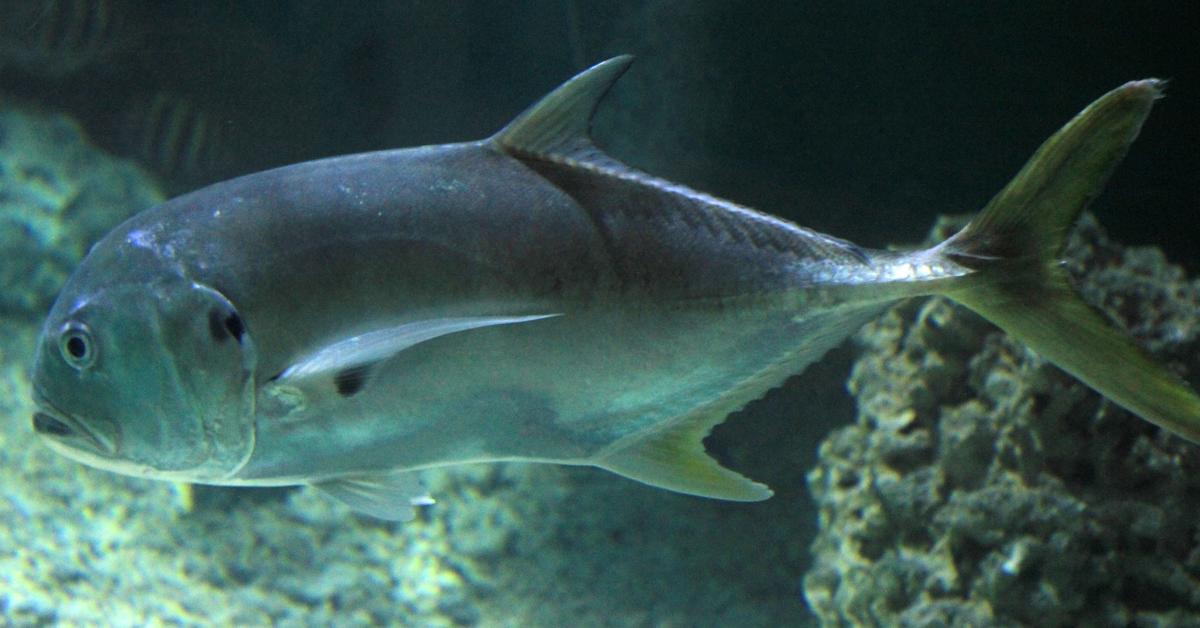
<point x="860" y="119"/>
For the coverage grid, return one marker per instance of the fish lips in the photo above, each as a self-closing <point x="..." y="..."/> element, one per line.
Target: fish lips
<point x="65" y="428"/>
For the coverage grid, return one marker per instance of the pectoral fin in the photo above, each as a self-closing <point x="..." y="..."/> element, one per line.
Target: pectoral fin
<point x="390" y="495"/>
<point x="354" y="355"/>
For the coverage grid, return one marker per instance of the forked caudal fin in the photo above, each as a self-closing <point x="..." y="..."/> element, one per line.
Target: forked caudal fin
<point x="1015" y="244"/>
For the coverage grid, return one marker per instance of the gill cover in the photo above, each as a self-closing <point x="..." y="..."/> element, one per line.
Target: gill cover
<point x="216" y="373"/>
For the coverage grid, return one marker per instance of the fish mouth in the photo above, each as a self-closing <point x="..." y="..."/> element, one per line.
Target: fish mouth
<point x="67" y="430"/>
<point x="45" y="424"/>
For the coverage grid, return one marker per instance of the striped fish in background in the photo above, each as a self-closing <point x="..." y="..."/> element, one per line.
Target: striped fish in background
<point x="56" y="38"/>
<point x="182" y="142"/>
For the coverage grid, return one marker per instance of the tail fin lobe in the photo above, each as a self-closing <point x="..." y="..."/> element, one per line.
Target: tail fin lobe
<point x="1030" y="218"/>
<point x="1014" y="246"/>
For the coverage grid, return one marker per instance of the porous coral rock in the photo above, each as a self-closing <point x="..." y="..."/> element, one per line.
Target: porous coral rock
<point x="981" y="485"/>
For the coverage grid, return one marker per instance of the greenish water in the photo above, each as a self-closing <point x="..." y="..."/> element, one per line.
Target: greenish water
<point x="947" y="500"/>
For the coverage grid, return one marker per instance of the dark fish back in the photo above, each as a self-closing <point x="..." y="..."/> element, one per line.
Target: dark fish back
<point x="666" y="238"/>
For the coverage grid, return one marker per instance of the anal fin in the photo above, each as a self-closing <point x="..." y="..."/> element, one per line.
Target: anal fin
<point x="389" y="495"/>
<point x="674" y="458"/>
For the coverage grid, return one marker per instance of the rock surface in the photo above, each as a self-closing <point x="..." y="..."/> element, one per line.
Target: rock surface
<point x="982" y="486"/>
<point x="58" y="194"/>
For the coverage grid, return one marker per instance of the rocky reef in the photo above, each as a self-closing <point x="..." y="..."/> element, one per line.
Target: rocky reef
<point x="982" y="486"/>
<point x="58" y="195"/>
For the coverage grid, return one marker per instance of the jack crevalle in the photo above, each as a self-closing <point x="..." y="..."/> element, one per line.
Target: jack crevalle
<point x="343" y="322"/>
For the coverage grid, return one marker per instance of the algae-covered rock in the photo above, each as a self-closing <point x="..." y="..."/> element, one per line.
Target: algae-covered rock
<point x="58" y="195"/>
<point x="982" y="486"/>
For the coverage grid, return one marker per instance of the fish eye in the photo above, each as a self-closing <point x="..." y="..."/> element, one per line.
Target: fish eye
<point x="76" y="344"/>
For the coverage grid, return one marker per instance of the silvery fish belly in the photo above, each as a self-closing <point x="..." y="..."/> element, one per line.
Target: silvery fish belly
<point x="343" y="322"/>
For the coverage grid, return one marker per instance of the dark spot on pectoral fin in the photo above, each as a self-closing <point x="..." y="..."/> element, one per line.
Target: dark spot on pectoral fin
<point x="351" y="380"/>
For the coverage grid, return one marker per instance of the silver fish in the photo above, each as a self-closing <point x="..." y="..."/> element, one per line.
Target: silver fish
<point x="343" y="322"/>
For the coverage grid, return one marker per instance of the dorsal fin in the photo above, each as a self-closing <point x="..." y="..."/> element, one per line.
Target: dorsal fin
<point x="557" y="127"/>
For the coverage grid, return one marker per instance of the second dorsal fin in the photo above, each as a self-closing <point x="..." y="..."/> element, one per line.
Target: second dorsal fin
<point x="558" y="126"/>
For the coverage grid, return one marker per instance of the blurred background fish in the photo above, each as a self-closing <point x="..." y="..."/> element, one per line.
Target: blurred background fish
<point x="56" y="38"/>
<point x="183" y="142"/>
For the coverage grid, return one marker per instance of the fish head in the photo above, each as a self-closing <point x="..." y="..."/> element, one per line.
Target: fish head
<point x="151" y="378"/>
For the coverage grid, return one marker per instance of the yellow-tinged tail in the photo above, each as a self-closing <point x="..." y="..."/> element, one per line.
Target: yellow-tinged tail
<point x="1015" y="244"/>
